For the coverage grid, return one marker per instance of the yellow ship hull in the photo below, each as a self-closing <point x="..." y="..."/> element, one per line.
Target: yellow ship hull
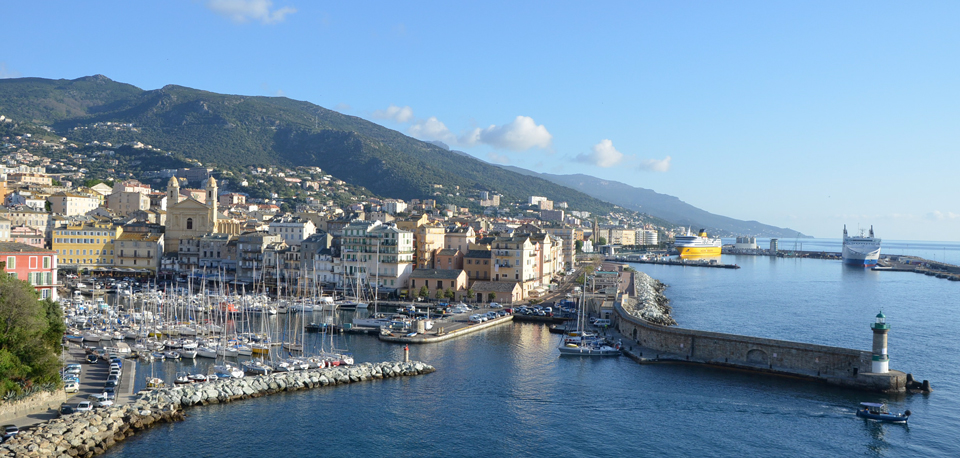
<point x="686" y="252"/>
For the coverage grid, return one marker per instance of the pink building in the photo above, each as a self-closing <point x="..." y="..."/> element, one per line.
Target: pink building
<point x="37" y="266"/>
<point x="28" y="235"/>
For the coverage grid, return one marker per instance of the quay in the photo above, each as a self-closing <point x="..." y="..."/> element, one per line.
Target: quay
<point x="449" y="328"/>
<point x="672" y="262"/>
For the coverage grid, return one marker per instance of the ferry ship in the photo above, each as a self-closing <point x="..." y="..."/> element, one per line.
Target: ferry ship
<point x="697" y="245"/>
<point x="860" y="250"/>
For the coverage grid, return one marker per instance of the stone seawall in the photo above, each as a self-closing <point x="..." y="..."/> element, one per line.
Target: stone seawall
<point x="833" y="365"/>
<point x="39" y="402"/>
<point x="86" y="434"/>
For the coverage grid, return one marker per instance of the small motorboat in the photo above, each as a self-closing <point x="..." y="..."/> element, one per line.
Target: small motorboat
<point x="878" y="411"/>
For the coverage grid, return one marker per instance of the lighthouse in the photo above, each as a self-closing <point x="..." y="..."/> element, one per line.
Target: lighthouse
<point x="881" y="362"/>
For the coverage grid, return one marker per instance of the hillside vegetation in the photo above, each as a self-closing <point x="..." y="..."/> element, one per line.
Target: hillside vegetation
<point x="230" y="131"/>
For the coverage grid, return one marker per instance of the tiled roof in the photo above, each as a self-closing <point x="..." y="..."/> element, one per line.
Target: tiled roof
<point x="437" y="274"/>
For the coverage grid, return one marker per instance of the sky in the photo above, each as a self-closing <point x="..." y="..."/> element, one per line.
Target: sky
<point x="808" y="115"/>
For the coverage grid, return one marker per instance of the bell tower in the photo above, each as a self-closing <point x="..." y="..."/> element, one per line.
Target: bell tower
<point x="881" y="361"/>
<point x="212" y="202"/>
<point x="173" y="191"/>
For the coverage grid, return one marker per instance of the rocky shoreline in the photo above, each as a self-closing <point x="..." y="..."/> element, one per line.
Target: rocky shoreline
<point x="85" y="434"/>
<point x="649" y="304"/>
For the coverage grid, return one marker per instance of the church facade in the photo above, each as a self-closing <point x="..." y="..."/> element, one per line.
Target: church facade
<point x="189" y="218"/>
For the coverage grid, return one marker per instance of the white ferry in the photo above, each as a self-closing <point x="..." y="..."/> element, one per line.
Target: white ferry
<point x="860" y="250"/>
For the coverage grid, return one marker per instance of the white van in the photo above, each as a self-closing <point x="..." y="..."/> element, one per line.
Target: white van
<point x="601" y="322"/>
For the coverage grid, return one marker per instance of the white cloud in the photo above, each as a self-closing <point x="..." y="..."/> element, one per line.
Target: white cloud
<point x="395" y="113"/>
<point x="603" y="155"/>
<point x="498" y="158"/>
<point x="6" y="72"/>
<point x="938" y="215"/>
<point x="656" y="165"/>
<point x="241" y="11"/>
<point x="432" y="129"/>
<point x="520" y="134"/>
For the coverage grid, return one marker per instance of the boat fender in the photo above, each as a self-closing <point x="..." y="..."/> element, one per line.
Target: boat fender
<point x="906" y="413"/>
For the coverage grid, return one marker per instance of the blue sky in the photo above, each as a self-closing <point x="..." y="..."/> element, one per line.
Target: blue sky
<point x="804" y="115"/>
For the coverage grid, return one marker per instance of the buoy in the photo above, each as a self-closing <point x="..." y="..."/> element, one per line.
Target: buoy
<point x="906" y="414"/>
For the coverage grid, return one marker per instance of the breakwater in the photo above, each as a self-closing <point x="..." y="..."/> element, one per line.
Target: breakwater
<point x="86" y="434"/>
<point x="656" y="342"/>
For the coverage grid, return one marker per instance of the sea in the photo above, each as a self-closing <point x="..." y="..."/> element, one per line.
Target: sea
<point x="507" y="392"/>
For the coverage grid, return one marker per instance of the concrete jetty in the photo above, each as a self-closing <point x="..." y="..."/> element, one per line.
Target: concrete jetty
<point x="85" y="434"/>
<point x="446" y="330"/>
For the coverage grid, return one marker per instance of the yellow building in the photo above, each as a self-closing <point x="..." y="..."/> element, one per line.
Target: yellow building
<point x="86" y="245"/>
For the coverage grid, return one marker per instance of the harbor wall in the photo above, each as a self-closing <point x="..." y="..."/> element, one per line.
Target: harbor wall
<point x="833" y="365"/>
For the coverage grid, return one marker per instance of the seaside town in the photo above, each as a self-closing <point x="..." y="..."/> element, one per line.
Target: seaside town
<point x="74" y="202"/>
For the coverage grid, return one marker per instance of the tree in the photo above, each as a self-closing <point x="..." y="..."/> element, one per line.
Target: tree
<point x="471" y="294"/>
<point x="449" y="294"/>
<point x="578" y="246"/>
<point x="30" y="334"/>
<point x="602" y="241"/>
<point x="439" y="294"/>
<point x="491" y="297"/>
<point x="424" y="292"/>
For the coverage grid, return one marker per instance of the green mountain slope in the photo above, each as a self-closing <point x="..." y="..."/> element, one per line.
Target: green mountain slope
<point x="660" y="205"/>
<point x="230" y="131"/>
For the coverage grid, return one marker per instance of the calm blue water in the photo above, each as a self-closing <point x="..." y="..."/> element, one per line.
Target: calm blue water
<point x="505" y="392"/>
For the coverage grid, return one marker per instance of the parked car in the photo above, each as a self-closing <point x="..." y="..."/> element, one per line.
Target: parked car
<point x="84" y="406"/>
<point x="93" y="359"/>
<point x="66" y="409"/>
<point x="495" y="305"/>
<point x="476" y="319"/>
<point x="10" y="431"/>
<point x="71" y="387"/>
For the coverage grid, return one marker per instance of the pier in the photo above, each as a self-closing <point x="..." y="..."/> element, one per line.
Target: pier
<point x="645" y="341"/>
<point x="446" y="329"/>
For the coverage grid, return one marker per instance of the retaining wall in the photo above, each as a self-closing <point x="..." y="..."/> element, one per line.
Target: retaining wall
<point x="39" y="402"/>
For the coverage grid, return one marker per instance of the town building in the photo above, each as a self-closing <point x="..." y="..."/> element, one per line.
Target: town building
<point x="376" y="253"/>
<point x="191" y="219"/>
<point x="293" y="229"/>
<point x="28" y="235"/>
<point x="442" y="280"/>
<point x="139" y="251"/>
<point x="72" y="204"/>
<point x="86" y="244"/>
<point x="37" y="266"/>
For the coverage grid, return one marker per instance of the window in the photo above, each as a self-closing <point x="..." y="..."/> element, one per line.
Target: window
<point x="44" y="293"/>
<point x="46" y="262"/>
<point x="189" y="223"/>
<point x="11" y="263"/>
<point x="49" y="278"/>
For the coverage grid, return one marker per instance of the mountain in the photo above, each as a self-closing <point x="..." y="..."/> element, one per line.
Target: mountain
<point x="660" y="205"/>
<point x="232" y="131"/>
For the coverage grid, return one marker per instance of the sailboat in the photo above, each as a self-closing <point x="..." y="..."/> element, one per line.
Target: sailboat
<point x="582" y="343"/>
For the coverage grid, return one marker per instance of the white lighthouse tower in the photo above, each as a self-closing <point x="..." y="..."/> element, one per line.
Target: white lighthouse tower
<point x="881" y="361"/>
